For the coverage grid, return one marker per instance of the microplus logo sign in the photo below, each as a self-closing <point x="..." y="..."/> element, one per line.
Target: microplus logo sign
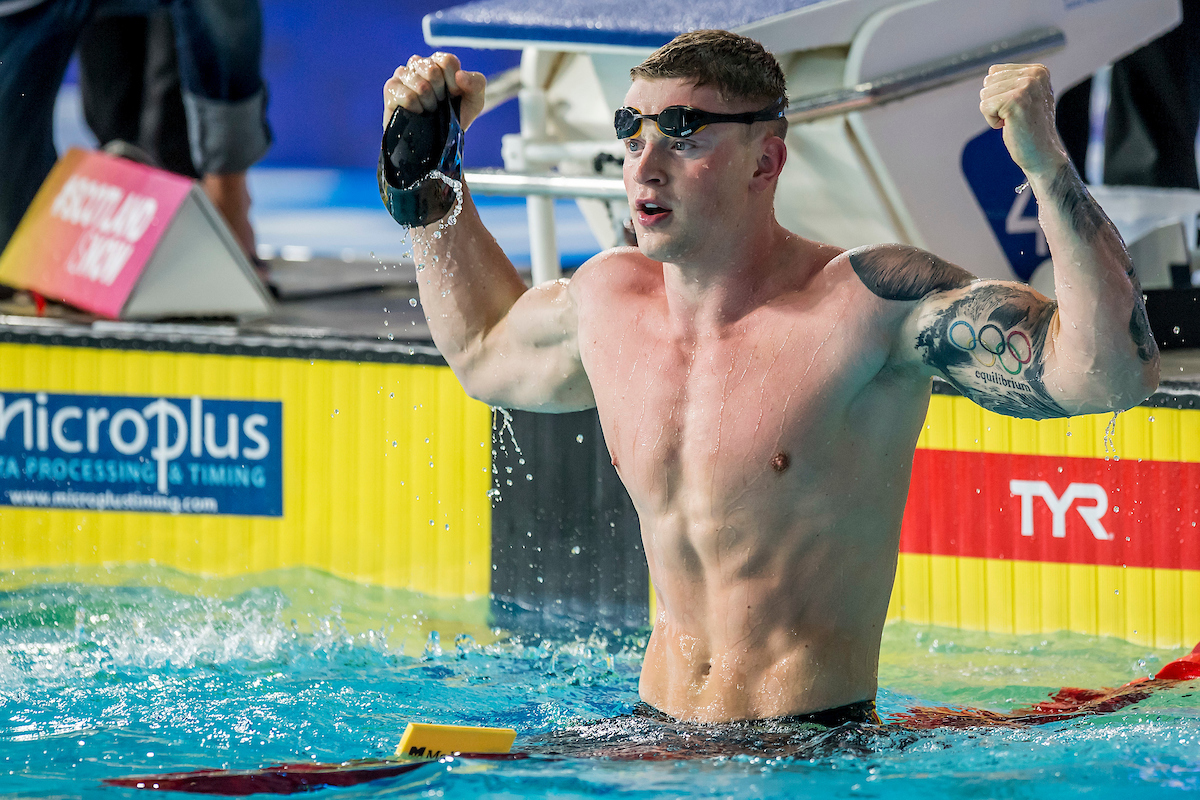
<point x="1059" y="506"/>
<point x="176" y="455"/>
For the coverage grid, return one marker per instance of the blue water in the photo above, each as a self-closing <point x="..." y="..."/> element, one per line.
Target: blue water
<point x="122" y="672"/>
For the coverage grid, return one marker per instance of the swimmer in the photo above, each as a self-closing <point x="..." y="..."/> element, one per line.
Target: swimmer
<point x="761" y="394"/>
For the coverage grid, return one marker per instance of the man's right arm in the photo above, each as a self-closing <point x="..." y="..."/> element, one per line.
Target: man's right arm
<point x="509" y="345"/>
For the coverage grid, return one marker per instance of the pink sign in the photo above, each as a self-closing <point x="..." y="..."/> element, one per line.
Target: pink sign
<point x="91" y="229"/>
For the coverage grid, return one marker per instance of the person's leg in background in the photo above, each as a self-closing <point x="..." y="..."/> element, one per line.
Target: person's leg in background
<point x="164" y="131"/>
<point x="1150" y="137"/>
<point x="220" y="55"/>
<point x="1153" y="112"/>
<point x="112" y="51"/>
<point x="35" y="47"/>
<point x="129" y="83"/>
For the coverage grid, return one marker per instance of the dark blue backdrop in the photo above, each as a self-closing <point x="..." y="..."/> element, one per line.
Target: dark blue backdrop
<point x="325" y="64"/>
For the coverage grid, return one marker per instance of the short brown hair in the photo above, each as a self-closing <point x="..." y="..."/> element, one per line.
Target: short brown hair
<point x="736" y="66"/>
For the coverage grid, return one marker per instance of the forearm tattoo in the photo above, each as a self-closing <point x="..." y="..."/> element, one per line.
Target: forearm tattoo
<point x="1086" y="218"/>
<point x="901" y="272"/>
<point x="990" y="345"/>
<point x="1139" y="323"/>
<point x="1082" y="212"/>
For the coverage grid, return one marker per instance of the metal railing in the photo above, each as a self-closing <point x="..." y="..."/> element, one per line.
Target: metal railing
<point x="499" y="182"/>
<point x="924" y="77"/>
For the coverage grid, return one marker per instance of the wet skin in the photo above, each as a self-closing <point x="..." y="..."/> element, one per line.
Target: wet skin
<point x="761" y="394"/>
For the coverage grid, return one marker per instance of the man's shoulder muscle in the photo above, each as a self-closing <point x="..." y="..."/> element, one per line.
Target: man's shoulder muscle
<point x="618" y="270"/>
<point x="905" y="273"/>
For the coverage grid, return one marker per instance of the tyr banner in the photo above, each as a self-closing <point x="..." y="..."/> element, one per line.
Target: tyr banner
<point x="1058" y="509"/>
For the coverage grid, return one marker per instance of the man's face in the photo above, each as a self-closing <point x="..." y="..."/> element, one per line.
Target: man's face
<point x="686" y="194"/>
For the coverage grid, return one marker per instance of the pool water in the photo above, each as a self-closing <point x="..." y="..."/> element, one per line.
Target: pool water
<point x="119" y="672"/>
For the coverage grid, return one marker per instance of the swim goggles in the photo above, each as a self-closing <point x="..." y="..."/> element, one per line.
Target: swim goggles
<point x="413" y="145"/>
<point x="680" y="122"/>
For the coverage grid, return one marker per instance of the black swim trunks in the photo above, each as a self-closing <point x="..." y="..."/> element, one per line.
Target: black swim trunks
<point x="862" y="713"/>
<point x="647" y="733"/>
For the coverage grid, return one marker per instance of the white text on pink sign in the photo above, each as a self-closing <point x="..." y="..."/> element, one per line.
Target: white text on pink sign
<point x="113" y="221"/>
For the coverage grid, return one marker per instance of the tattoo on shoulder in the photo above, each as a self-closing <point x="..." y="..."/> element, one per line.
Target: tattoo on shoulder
<point x="990" y="345"/>
<point x="901" y="272"/>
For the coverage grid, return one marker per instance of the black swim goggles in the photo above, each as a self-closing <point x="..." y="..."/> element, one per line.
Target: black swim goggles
<point x="679" y="122"/>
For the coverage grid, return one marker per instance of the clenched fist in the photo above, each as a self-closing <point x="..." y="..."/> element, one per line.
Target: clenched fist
<point x="422" y="82"/>
<point x="1018" y="98"/>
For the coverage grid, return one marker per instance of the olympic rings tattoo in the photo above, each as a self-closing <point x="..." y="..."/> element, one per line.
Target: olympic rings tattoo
<point x="999" y="348"/>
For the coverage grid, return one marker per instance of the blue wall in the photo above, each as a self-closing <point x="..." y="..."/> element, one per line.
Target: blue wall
<point x="325" y="65"/>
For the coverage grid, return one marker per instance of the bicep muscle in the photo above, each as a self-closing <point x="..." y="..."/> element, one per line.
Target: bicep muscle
<point x="990" y="341"/>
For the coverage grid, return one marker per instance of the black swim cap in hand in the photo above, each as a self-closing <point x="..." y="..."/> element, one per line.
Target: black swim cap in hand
<point x="413" y="146"/>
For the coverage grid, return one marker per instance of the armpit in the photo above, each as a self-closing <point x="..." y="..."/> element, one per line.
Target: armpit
<point x="902" y="272"/>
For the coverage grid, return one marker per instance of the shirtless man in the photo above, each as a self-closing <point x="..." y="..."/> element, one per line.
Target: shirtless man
<point x="761" y="394"/>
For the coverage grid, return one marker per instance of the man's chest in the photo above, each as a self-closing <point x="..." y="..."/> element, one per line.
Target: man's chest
<point x="757" y="399"/>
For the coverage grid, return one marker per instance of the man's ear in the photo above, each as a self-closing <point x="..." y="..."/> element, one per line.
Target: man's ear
<point x="772" y="156"/>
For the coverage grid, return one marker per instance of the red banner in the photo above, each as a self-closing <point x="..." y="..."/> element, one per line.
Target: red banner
<point x="1054" y="508"/>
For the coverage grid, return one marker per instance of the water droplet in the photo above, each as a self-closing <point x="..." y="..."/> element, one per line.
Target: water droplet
<point x="579" y="438"/>
<point x="433" y="646"/>
<point x="1175" y="330"/>
<point x="412" y="301"/>
<point x="575" y="550"/>
<point x="528" y="477"/>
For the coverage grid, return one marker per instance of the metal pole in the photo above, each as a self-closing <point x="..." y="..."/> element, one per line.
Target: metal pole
<point x="924" y="77"/>
<point x="543" y="244"/>
<point x="498" y="182"/>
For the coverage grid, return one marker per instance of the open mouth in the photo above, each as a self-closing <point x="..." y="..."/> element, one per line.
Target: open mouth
<point x="650" y="213"/>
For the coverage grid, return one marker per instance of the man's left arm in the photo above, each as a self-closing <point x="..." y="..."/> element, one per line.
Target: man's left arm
<point x="1003" y="344"/>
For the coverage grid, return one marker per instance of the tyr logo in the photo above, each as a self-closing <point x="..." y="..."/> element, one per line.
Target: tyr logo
<point x="1027" y="490"/>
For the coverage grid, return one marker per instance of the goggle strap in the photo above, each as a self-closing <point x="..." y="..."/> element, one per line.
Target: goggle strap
<point x="699" y="120"/>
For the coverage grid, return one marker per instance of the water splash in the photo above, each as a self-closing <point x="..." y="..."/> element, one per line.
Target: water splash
<point x="433" y="646"/>
<point x="506" y="425"/>
<point x="421" y="251"/>
<point x="1110" y="447"/>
